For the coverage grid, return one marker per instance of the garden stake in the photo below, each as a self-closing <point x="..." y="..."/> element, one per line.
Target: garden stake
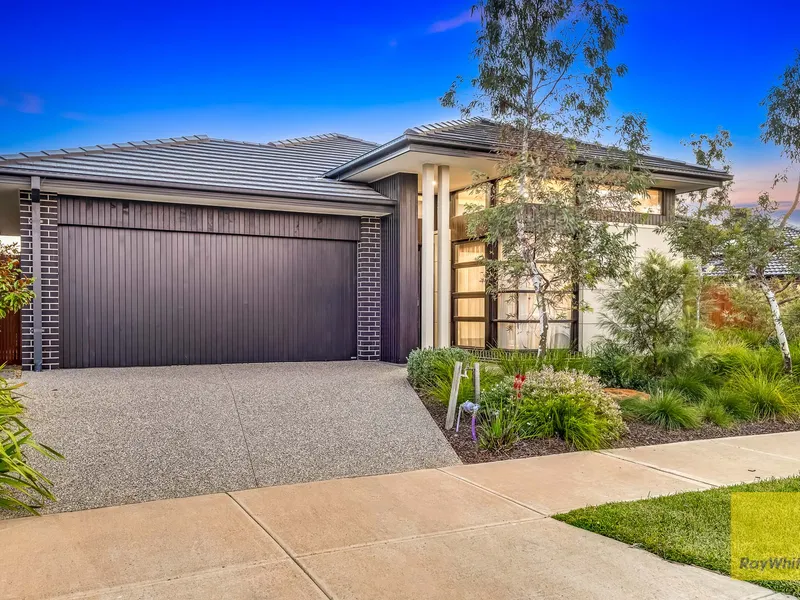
<point x="451" y="406"/>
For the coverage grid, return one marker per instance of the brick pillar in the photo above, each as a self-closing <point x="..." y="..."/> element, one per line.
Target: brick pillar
<point x="48" y="211"/>
<point x="369" y="289"/>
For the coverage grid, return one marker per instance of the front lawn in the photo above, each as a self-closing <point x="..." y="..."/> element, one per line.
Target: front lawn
<point x="692" y="528"/>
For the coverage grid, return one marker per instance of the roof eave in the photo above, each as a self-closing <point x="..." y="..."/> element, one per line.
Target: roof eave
<point x="397" y="146"/>
<point x="51" y="179"/>
<point x="404" y="142"/>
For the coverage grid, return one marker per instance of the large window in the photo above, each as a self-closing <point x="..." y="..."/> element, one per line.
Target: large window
<point x="469" y="295"/>
<point x="477" y="197"/>
<point x="518" y="320"/>
<point x="650" y="202"/>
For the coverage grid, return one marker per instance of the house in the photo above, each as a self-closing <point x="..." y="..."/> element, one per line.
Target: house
<point x="197" y="250"/>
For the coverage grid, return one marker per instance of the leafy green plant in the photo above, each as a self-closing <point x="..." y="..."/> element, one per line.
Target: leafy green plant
<point x="570" y="405"/>
<point x="426" y="365"/>
<point x="666" y="408"/>
<point x="515" y="362"/>
<point x="693" y="383"/>
<point x="562" y="416"/>
<point x="500" y="419"/>
<point x="715" y="413"/>
<point x="616" y="367"/>
<point x="21" y="486"/>
<point x="771" y="396"/>
<point x="644" y="313"/>
<point x="736" y="405"/>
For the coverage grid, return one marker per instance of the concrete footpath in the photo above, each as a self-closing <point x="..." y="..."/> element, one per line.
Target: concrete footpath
<point x="471" y="531"/>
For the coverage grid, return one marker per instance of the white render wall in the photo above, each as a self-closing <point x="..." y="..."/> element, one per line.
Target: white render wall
<point x="589" y="329"/>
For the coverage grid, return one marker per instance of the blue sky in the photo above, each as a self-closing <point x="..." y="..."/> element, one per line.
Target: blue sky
<point x="80" y="73"/>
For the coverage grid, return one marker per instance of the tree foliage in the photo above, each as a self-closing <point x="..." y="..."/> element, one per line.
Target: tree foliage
<point x="544" y="73"/>
<point x="645" y="311"/>
<point x="15" y="287"/>
<point x="782" y="125"/>
<point x="694" y="233"/>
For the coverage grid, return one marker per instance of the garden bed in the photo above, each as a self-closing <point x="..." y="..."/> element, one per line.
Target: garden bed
<point x="639" y="434"/>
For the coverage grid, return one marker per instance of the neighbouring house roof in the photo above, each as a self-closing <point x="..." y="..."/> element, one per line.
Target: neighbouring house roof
<point x="484" y="135"/>
<point x="285" y="168"/>
<point x="777" y="267"/>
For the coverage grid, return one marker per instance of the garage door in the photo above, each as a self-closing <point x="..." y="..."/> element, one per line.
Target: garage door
<point x="144" y="284"/>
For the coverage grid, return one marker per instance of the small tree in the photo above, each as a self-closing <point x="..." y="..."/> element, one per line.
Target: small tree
<point x="755" y="237"/>
<point x="644" y="313"/>
<point x="544" y="75"/>
<point x="694" y="233"/>
<point x="752" y="239"/>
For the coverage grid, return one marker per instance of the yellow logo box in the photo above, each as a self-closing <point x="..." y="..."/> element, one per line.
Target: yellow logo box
<point x="765" y="536"/>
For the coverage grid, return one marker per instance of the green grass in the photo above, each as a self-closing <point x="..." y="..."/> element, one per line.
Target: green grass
<point x="691" y="528"/>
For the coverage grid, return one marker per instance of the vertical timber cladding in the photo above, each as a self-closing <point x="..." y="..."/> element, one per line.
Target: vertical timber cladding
<point x="399" y="268"/>
<point x="163" y="284"/>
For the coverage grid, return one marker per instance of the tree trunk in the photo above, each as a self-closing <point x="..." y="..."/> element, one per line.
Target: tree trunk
<point x="541" y="305"/>
<point x="793" y="207"/>
<point x="699" y="294"/>
<point x="775" y="309"/>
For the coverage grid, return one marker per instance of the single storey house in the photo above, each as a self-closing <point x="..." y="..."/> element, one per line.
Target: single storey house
<point x="197" y="250"/>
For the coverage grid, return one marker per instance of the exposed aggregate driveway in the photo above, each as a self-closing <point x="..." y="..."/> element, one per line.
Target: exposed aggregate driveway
<point x="138" y="434"/>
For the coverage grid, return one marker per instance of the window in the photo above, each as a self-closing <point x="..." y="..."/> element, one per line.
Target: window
<point x="471" y="334"/>
<point x="649" y="202"/>
<point x="553" y="186"/>
<point x="469" y="295"/>
<point x="469" y="252"/>
<point x="477" y="197"/>
<point x="525" y="336"/>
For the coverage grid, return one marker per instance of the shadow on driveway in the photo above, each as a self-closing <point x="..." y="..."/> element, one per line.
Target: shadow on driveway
<point x="139" y="434"/>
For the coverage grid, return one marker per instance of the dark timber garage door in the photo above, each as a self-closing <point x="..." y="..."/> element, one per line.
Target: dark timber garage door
<point x="159" y="284"/>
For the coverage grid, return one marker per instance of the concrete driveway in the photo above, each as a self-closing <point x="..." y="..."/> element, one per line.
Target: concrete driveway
<point x="138" y="434"/>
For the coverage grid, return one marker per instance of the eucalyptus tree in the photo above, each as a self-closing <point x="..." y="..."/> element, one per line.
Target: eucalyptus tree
<point x="544" y="74"/>
<point x="694" y="233"/>
<point x="755" y="237"/>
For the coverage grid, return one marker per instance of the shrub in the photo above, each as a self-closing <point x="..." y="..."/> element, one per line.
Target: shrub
<point x="21" y="486"/>
<point x="693" y="383"/>
<point x="515" y="362"/>
<point x="616" y="367"/>
<point x="425" y="365"/>
<point x="562" y="416"/>
<point x="736" y="405"/>
<point x="645" y="312"/>
<point x="771" y="396"/>
<point x="499" y="417"/>
<point x="713" y="412"/>
<point x="571" y="405"/>
<point x="666" y="408"/>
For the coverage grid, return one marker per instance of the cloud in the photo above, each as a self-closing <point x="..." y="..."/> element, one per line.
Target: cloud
<point x="30" y="104"/>
<point x="468" y="16"/>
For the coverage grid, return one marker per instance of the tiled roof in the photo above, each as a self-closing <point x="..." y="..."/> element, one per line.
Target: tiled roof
<point x="777" y="267"/>
<point x="284" y="168"/>
<point x="486" y="134"/>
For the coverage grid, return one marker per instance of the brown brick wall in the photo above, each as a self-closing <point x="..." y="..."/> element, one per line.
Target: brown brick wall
<point x="48" y="211"/>
<point x="369" y="289"/>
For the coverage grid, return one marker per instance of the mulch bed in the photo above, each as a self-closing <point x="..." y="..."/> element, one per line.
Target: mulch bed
<point x="640" y="434"/>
